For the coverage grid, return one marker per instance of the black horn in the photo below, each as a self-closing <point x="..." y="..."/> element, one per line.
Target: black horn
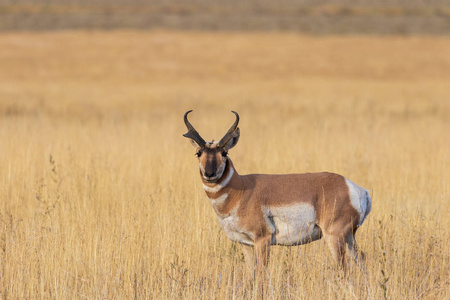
<point x="233" y="132"/>
<point x="192" y="133"/>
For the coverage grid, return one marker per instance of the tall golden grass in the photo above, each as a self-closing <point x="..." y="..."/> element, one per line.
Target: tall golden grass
<point x="100" y="195"/>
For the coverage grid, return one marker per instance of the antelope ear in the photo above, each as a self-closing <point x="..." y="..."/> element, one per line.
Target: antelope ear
<point x="194" y="143"/>
<point x="233" y="141"/>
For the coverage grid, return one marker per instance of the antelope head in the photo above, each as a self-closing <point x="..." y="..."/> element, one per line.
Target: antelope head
<point x="212" y="156"/>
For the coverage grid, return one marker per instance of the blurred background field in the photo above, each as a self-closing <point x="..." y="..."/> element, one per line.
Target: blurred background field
<point x="307" y="16"/>
<point x="100" y="193"/>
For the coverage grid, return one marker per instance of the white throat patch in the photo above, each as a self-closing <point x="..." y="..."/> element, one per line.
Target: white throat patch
<point x="219" y="186"/>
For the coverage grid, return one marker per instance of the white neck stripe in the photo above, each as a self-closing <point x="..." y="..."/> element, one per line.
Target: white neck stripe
<point x="219" y="200"/>
<point x="221" y="185"/>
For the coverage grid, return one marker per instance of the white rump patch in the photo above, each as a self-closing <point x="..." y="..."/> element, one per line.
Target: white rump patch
<point x="360" y="200"/>
<point x="292" y="225"/>
<point x="219" y="186"/>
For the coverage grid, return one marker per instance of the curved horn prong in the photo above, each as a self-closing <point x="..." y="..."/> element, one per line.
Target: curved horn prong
<point x="192" y="133"/>
<point x="233" y="132"/>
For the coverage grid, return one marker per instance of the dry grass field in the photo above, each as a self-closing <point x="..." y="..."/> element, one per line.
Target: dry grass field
<point x="100" y="193"/>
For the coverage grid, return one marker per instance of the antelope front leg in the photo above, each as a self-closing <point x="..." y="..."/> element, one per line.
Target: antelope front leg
<point x="250" y="259"/>
<point x="262" y="250"/>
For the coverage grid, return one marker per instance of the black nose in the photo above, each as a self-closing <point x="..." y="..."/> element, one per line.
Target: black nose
<point x="209" y="174"/>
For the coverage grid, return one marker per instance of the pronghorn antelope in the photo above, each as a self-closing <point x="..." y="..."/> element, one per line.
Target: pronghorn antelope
<point x="259" y="210"/>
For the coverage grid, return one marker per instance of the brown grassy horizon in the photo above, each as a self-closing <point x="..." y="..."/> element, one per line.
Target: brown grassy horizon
<point x="100" y="192"/>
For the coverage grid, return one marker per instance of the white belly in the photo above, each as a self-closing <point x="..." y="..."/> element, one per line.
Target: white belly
<point x="293" y="225"/>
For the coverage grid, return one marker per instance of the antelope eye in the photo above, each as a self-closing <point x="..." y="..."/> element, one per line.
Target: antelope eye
<point x="199" y="153"/>
<point x="224" y="153"/>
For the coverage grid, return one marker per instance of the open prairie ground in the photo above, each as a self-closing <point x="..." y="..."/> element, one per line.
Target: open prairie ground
<point x="100" y="193"/>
